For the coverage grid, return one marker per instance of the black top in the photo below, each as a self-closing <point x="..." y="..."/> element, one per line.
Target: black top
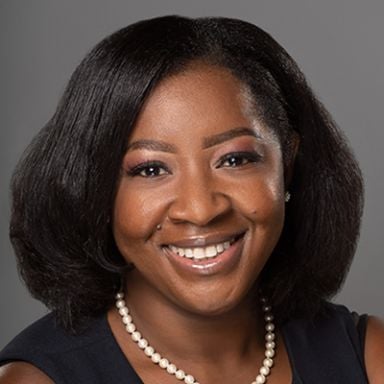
<point x="329" y="349"/>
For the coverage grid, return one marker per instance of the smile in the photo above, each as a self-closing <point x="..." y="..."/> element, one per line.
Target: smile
<point x="205" y="256"/>
<point x="201" y="253"/>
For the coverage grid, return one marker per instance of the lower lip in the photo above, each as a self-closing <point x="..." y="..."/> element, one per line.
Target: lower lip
<point x="222" y="263"/>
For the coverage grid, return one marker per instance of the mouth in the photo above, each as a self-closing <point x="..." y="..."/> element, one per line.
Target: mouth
<point x="205" y="256"/>
<point x="202" y="254"/>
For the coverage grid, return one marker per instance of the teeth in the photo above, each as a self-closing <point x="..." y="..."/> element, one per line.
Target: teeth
<point x="211" y="251"/>
<point x="200" y="253"/>
<point x="187" y="252"/>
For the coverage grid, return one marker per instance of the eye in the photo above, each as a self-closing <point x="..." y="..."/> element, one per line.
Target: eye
<point x="149" y="170"/>
<point x="238" y="159"/>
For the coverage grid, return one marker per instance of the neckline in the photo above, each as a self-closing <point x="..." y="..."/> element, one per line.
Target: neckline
<point x="122" y="360"/>
<point x="126" y="365"/>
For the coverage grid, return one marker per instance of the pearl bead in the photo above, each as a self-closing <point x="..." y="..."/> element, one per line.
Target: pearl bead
<point x="127" y="319"/>
<point x="266" y="308"/>
<point x="142" y="343"/>
<point x="120" y="303"/>
<point x="163" y="363"/>
<point x="156" y="358"/>
<point x="260" y="379"/>
<point x="270" y="345"/>
<point x="189" y="379"/>
<point x="119" y="296"/>
<point x="270" y="353"/>
<point x="136" y="336"/>
<point x="270" y="327"/>
<point x="149" y="351"/>
<point x="264" y="371"/>
<point x="270" y="336"/>
<point x="268" y="362"/>
<point x="171" y="368"/>
<point x="268" y="318"/>
<point x="130" y="328"/>
<point x="123" y="311"/>
<point x="180" y="374"/>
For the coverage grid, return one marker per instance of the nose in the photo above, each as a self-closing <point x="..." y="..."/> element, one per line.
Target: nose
<point x="198" y="201"/>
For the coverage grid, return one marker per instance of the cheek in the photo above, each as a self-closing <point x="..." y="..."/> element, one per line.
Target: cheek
<point x="135" y="214"/>
<point x="264" y="209"/>
<point x="262" y="198"/>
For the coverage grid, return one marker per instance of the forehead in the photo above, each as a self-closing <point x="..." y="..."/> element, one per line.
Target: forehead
<point x="202" y="99"/>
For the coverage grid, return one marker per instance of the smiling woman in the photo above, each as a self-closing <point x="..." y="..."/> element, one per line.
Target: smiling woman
<point x="218" y="176"/>
<point x="190" y="174"/>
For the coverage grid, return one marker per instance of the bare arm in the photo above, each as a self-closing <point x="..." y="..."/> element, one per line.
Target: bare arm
<point x="374" y="350"/>
<point x="22" y="373"/>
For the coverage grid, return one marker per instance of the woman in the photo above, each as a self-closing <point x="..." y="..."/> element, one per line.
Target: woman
<point x="190" y="175"/>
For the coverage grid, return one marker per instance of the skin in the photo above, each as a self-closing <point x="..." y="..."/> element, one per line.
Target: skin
<point x="206" y="323"/>
<point x="374" y="350"/>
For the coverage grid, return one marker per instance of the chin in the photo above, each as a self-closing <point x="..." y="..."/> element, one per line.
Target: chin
<point x="208" y="305"/>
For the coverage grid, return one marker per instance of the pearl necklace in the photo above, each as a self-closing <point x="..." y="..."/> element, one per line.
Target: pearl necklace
<point x="171" y="368"/>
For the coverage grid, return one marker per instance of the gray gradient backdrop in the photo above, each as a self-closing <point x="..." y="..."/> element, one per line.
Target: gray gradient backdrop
<point x="337" y="43"/>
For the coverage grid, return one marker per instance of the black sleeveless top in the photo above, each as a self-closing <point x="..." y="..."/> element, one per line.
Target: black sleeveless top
<point x="329" y="349"/>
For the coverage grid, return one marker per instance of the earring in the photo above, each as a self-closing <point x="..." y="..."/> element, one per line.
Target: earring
<point x="287" y="196"/>
<point x="158" y="227"/>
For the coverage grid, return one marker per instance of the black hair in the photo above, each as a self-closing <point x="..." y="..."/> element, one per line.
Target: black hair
<point x="64" y="187"/>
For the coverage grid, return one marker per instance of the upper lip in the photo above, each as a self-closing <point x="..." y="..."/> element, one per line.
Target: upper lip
<point x="205" y="240"/>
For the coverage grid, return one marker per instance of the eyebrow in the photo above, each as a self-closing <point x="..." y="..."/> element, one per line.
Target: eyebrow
<point x="152" y="145"/>
<point x="156" y="145"/>
<point x="228" y="135"/>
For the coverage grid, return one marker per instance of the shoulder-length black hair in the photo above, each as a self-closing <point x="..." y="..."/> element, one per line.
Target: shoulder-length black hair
<point x="64" y="187"/>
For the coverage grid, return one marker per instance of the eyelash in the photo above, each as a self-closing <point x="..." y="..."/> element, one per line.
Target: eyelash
<point x="153" y="166"/>
<point x="249" y="157"/>
<point x="157" y="168"/>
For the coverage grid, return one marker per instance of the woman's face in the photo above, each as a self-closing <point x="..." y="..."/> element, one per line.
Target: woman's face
<point x="205" y="169"/>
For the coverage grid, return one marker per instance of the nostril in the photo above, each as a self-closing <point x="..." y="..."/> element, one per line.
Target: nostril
<point x="199" y="210"/>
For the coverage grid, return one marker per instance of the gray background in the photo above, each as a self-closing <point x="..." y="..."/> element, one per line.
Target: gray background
<point x="338" y="44"/>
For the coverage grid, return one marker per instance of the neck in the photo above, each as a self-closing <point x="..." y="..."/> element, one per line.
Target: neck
<point x="234" y="335"/>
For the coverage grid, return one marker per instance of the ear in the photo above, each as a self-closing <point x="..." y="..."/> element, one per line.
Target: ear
<point x="293" y="148"/>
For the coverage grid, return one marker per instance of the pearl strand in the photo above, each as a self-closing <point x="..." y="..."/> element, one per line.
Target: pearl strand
<point x="171" y="368"/>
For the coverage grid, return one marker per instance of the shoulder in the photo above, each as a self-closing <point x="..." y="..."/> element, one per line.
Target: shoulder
<point x="28" y="355"/>
<point x="330" y="319"/>
<point x="48" y="337"/>
<point x="42" y="336"/>
<point x="329" y="345"/>
<point x="22" y="373"/>
<point x="374" y="350"/>
<point x="47" y="347"/>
